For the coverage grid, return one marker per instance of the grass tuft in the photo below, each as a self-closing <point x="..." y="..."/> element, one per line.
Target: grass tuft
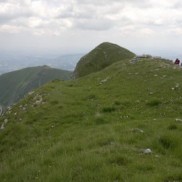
<point x="108" y="109"/>
<point x="167" y="142"/>
<point x="154" y="103"/>
<point x="172" y="127"/>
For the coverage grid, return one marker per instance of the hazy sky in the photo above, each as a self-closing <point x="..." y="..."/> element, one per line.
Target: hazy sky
<point x="72" y="26"/>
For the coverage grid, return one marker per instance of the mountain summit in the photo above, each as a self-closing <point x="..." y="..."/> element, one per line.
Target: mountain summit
<point x="102" y="56"/>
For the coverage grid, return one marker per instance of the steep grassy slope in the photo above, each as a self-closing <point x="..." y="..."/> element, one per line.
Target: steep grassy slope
<point x="14" y="85"/>
<point x="102" y="56"/>
<point x="97" y="128"/>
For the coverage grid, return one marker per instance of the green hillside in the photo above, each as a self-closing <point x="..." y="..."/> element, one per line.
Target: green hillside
<point x="123" y="123"/>
<point x="14" y="85"/>
<point x="102" y="56"/>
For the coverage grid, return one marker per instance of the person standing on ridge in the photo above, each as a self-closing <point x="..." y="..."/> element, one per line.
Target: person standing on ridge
<point x="177" y="61"/>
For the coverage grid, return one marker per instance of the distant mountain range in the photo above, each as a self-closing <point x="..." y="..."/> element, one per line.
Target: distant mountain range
<point x="14" y="85"/>
<point x="14" y="61"/>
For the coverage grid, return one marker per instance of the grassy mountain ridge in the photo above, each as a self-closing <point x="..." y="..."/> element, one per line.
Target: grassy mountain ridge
<point x="97" y="127"/>
<point x="102" y="56"/>
<point x="14" y="85"/>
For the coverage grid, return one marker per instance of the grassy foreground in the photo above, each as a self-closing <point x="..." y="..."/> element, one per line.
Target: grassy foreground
<point x="97" y="128"/>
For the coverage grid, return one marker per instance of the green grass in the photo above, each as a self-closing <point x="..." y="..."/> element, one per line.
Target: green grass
<point x="15" y="85"/>
<point x="102" y="56"/>
<point x="85" y="131"/>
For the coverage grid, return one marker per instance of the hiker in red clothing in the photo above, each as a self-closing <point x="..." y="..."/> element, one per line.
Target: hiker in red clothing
<point x="177" y="61"/>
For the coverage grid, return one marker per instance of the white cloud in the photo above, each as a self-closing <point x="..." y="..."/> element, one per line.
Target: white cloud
<point x="90" y="14"/>
<point x="94" y="24"/>
<point x="129" y="18"/>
